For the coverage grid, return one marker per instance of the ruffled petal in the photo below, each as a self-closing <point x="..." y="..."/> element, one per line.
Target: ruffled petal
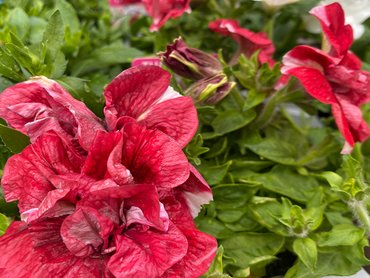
<point x="86" y="232"/>
<point x="148" y="156"/>
<point x="40" y="105"/>
<point x="133" y="92"/>
<point x="143" y="93"/>
<point x="315" y="83"/>
<point x="195" y="191"/>
<point x="147" y="253"/>
<point x="27" y="175"/>
<point x="332" y="20"/>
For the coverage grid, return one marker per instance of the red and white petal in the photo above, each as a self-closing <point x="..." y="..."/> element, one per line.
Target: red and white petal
<point x="86" y="232"/>
<point x="195" y="191"/>
<point x="26" y="176"/>
<point x="40" y="105"/>
<point x="133" y="92"/>
<point x="201" y="252"/>
<point x="338" y="35"/>
<point x="162" y="11"/>
<point x="175" y="117"/>
<point x="151" y="157"/>
<point x="147" y="253"/>
<point x="314" y="82"/>
<point x="95" y="165"/>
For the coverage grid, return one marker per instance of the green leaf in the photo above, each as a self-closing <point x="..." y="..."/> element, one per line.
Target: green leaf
<point x="4" y="223"/>
<point x="19" y="22"/>
<point x="24" y="58"/>
<point x="216" y="268"/>
<point x="233" y="196"/>
<point x="342" y="261"/>
<point x="267" y="213"/>
<point x="285" y="181"/>
<point x="13" y="139"/>
<point x="213" y="227"/>
<point x="334" y="180"/>
<point x="232" y="120"/>
<point x="306" y="250"/>
<point x="214" y="174"/>
<point x="113" y="54"/>
<point x="54" y="34"/>
<point x="37" y="28"/>
<point x="254" y="98"/>
<point x="250" y="248"/>
<point x="341" y="235"/>
<point x="275" y="150"/>
<point x="53" y="39"/>
<point x="69" y="15"/>
<point x="9" y="67"/>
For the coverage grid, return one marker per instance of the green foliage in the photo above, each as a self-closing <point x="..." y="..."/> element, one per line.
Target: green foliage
<point x="270" y="153"/>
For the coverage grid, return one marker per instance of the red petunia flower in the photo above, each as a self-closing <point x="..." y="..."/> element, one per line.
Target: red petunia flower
<point x="124" y="207"/>
<point x="163" y="10"/>
<point x="333" y="75"/>
<point x="248" y="41"/>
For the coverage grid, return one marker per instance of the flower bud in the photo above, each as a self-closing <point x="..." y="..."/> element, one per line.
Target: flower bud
<point x="210" y="90"/>
<point x="190" y="62"/>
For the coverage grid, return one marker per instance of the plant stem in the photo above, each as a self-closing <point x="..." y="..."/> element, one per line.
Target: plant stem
<point x="361" y="213"/>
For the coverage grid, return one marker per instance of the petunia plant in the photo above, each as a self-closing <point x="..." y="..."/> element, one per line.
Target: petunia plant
<point x="201" y="138"/>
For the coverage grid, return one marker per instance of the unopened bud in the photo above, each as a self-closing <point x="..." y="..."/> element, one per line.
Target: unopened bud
<point x="210" y="90"/>
<point x="190" y="62"/>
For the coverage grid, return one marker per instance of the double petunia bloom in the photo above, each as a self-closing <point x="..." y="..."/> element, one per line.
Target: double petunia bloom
<point x="333" y="75"/>
<point x="113" y="198"/>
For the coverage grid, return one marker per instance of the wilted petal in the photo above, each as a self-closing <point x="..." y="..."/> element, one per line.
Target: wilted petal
<point x="190" y="62"/>
<point x="147" y="253"/>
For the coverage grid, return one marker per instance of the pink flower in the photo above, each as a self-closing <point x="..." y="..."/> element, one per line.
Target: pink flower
<point x="334" y="75"/>
<point x="248" y="41"/>
<point x="163" y="10"/>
